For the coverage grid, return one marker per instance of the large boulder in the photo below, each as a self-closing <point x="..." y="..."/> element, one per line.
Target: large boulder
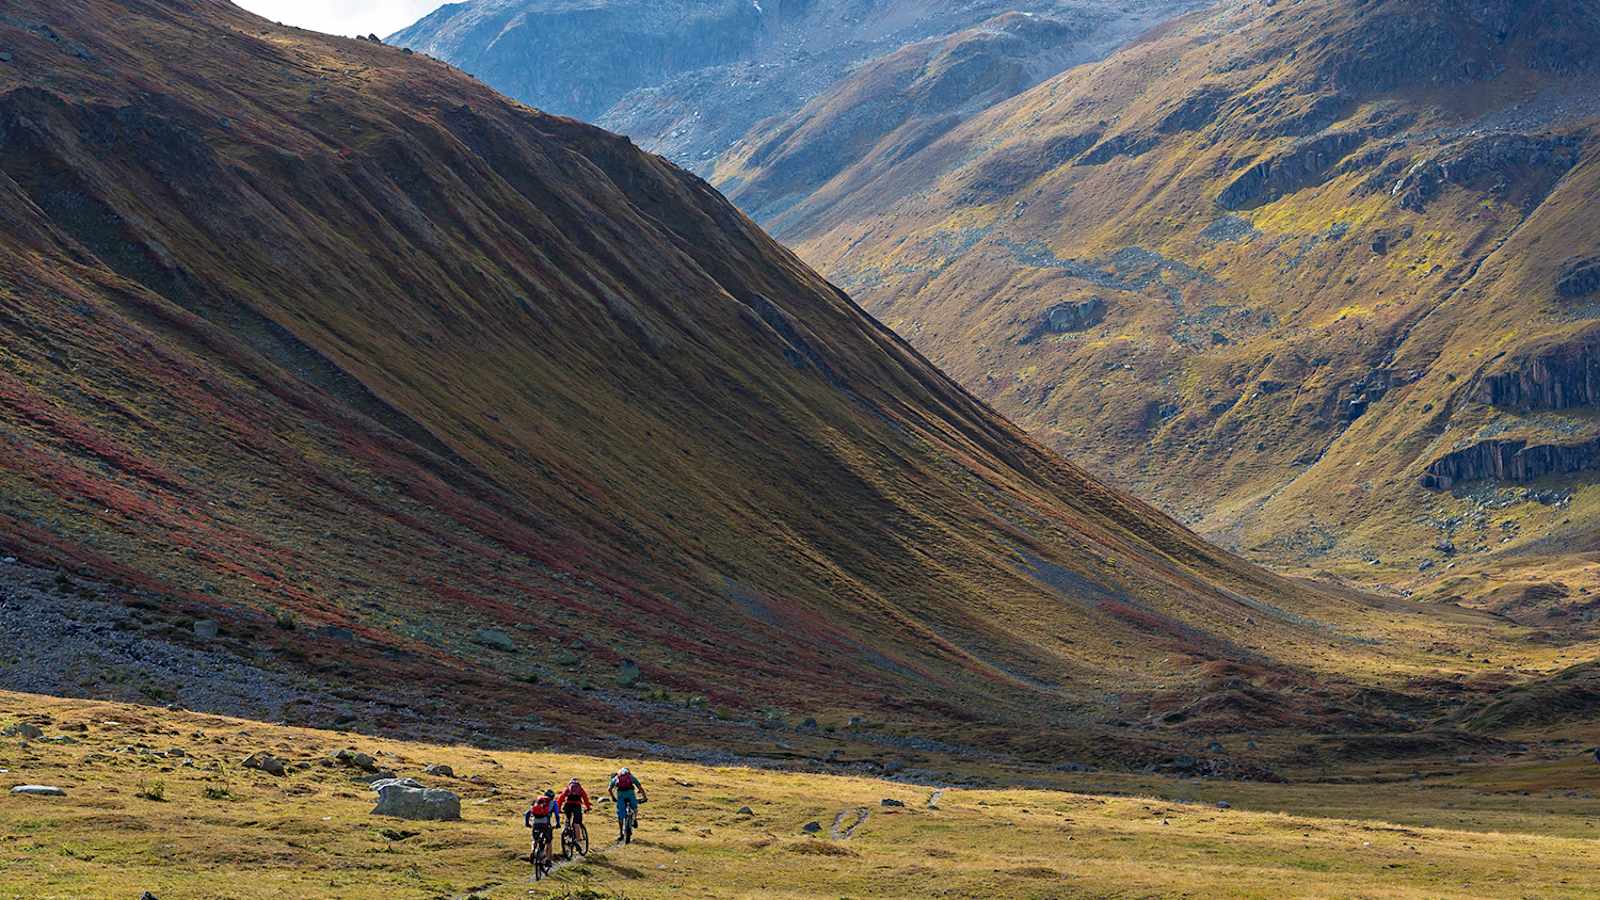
<point x="24" y="730"/>
<point x="406" y="798"/>
<point x="38" y="790"/>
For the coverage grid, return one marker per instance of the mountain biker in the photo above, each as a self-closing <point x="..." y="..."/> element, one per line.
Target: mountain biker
<point x="626" y="791"/>
<point x="574" y="801"/>
<point x="543" y="816"/>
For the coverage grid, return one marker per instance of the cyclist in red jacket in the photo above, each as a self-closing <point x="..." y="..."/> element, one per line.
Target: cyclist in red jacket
<point x="574" y="802"/>
<point x="543" y="816"/>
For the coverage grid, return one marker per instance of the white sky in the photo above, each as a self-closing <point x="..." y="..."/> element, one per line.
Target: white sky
<point x="344" y="17"/>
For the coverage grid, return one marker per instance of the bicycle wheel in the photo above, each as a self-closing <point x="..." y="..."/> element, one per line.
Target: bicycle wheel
<point x="541" y="859"/>
<point x="581" y="842"/>
<point x="568" y="843"/>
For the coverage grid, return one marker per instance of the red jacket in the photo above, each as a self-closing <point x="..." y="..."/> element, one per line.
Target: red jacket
<point x="574" y="795"/>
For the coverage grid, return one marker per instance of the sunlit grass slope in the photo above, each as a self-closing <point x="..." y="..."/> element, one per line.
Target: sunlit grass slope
<point x="1332" y="245"/>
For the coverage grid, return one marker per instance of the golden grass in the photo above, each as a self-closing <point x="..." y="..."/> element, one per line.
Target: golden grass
<point x="224" y="831"/>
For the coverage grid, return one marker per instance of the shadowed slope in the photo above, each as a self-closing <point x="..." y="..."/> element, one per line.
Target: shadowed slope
<point x="321" y="333"/>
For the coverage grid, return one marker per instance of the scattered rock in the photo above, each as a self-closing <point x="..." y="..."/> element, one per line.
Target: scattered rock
<point x="440" y="771"/>
<point x="1223" y="804"/>
<point x="5" y="56"/>
<point x="206" y="630"/>
<point x="354" y="759"/>
<point x="405" y="798"/>
<point x="890" y="801"/>
<point x="811" y="827"/>
<point x="495" y="639"/>
<point x="746" y="811"/>
<point x="24" y="730"/>
<point x="38" y="790"/>
<point x="856" y="722"/>
<point x="266" y="762"/>
<point x="148" y="896"/>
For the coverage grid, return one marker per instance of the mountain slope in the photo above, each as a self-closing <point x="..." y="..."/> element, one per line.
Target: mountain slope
<point x="690" y="78"/>
<point x="1315" y="277"/>
<point x="406" y="384"/>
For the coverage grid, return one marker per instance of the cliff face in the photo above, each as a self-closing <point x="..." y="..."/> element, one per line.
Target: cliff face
<point x="402" y="385"/>
<point x="690" y="78"/>
<point x="1564" y="374"/>
<point x="1344" y="252"/>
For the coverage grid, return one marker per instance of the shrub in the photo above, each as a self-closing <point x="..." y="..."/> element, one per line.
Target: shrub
<point x="154" y="790"/>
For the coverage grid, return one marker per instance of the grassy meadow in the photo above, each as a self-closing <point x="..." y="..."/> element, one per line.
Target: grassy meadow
<point x="137" y="817"/>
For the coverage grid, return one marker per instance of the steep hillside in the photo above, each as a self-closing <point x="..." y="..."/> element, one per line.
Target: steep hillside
<point x="689" y="78"/>
<point x="323" y="355"/>
<point x="1318" y="278"/>
<point x="889" y="108"/>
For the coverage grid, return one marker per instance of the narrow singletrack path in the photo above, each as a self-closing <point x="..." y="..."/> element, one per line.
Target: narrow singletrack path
<point x="563" y="863"/>
<point x="842" y="832"/>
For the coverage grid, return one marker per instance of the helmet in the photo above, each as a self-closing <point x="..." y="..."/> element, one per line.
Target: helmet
<point x="573" y="782"/>
<point x="623" y="771"/>
<point x="549" y="793"/>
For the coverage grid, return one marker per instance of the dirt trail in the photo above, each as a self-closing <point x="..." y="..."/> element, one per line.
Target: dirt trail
<point x="839" y="833"/>
<point x="563" y="863"/>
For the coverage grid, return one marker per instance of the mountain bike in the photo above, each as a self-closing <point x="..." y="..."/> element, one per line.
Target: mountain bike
<point x="542" y="863"/>
<point x="574" y="839"/>
<point x="632" y="821"/>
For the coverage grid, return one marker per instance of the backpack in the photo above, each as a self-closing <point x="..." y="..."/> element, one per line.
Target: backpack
<point x="625" y="781"/>
<point x="541" y="807"/>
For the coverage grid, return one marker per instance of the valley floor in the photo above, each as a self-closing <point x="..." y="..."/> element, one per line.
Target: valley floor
<point x="221" y="830"/>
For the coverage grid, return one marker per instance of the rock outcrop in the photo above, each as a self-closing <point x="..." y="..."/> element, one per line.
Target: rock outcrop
<point x="1495" y="164"/>
<point x="1565" y="376"/>
<point x="1510" y="460"/>
<point x="1304" y="165"/>
<point x="1579" y="278"/>
<point x="1064" y="318"/>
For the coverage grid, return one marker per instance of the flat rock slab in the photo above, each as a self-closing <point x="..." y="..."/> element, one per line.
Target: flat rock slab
<point x="38" y="790"/>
